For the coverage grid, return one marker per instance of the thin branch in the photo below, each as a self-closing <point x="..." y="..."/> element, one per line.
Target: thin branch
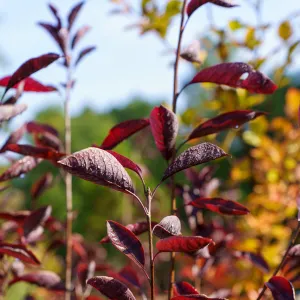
<point x="283" y="261"/>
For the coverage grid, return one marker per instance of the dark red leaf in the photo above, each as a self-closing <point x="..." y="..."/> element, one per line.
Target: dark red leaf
<point x="35" y="219"/>
<point x="54" y="32"/>
<point x="100" y="167"/>
<point x="37" y="152"/>
<point x="168" y="226"/>
<point x="122" y="131"/>
<point x="193" y="5"/>
<point x="41" y="185"/>
<point x="85" y="271"/>
<point x="221" y="206"/>
<point x="93" y="298"/>
<point x="200" y="297"/>
<point x="29" y="67"/>
<point x="131" y="276"/>
<point x="79" y="35"/>
<point x="20" y="252"/>
<point x="127" y="163"/>
<point x="111" y="288"/>
<point x="136" y="228"/>
<point x="14" y="137"/>
<point x="9" y="111"/>
<point x="232" y="119"/>
<point x="295" y="251"/>
<point x="230" y="74"/>
<point x="256" y="259"/>
<point x="55" y="14"/>
<point x="22" y="166"/>
<point x="164" y="127"/>
<point x="45" y="279"/>
<point x="126" y="242"/>
<point x="193" y="156"/>
<point x="186" y="244"/>
<point x="184" y="288"/>
<point x="73" y="14"/>
<point x="83" y="53"/>
<point x="30" y="85"/>
<point x="281" y="288"/>
<point x="47" y="139"/>
<point x="17" y="217"/>
<point x="35" y="127"/>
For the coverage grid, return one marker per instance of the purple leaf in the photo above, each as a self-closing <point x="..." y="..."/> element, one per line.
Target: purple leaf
<point x="122" y="131"/>
<point x="255" y="259"/>
<point x="73" y="14"/>
<point x="9" y="111"/>
<point x="100" y="167"/>
<point x="45" y="279"/>
<point x="79" y="35"/>
<point x="29" y="67"/>
<point x="200" y="297"/>
<point x="41" y="185"/>
<point x="20" y="252"/>
<point x="193" y="156"/>
<point x="164" y="127"/>
<point x="126" y="242"/>
<point x="111" y="288"/>
<point x="230" y="74"/>
<point x="54" y="32"/>
<point x="22" y="166"/>
<point x="14" y="137"/>
<point x="168" y="226"/>
<point x="281" y="288"/>
<point x="193" y="5"/>
<point x="35" y="127"/>
<point x="55" y="14"/>
<point x="232" y="119"/>
<point x="83" y="53"/>
<point x="221" y="206"/>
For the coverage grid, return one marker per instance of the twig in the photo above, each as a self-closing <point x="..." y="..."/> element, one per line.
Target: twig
<point x="283" y="261"/>
<point x="68" y="179"/>
<point x="174" y="106"/>
<point x="149" y="200"/>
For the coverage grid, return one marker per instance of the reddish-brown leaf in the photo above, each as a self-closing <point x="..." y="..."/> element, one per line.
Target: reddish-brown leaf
<point x="122" y="131"/>
<point x="37" y="152"/>
<point x="186" y="244"/>
<point x="136" y="228"/>
<point x="45" y="279"/>
<point x="168" y="226"/>
<point x="73" y="14"/>
<point x="30" y="85"/>
<point x="79" y="35"/>
<point x="35" y="219"/>
<point x="9" y="111"/>
<point x="230" y="74"/>
<point x="199" y="297"/>
<point x="255" y="259"/>
<point x="83" y="53"/>
<point x="100" y="167"/>
<point x="126" y="242"/>
<point x="130" y="275"/>
<point x="193" y="5"/>
<point x="281" y="288"/>
<point x="127" y="163"/>
<point x="221" y="206"/>
<point x="17" y="217"/>
<point x="184" y="288"/>
<point x="232" y="119"/>
<point x="193" y="156"/>
<point x="41" y="185"/>
<point x="20" y="252"/>
<point x="54" y="32"/>
<point x="85" y="271"/>
<point x="22" y="166"/>
<point x="35" y="127"/>
<point x="29" y="67"/>
<point x="47" y="139"/>
<point x="164" y="127"/>
<point x="295" y="251"/>
<point x="111" y="288"/>
<point x="14" y="137"/>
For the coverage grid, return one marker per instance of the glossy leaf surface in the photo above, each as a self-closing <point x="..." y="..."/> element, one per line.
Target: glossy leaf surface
<point x="281" y="288"/>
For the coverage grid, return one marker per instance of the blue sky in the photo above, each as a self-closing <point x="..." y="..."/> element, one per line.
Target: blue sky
<point x="124" y="64"/>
